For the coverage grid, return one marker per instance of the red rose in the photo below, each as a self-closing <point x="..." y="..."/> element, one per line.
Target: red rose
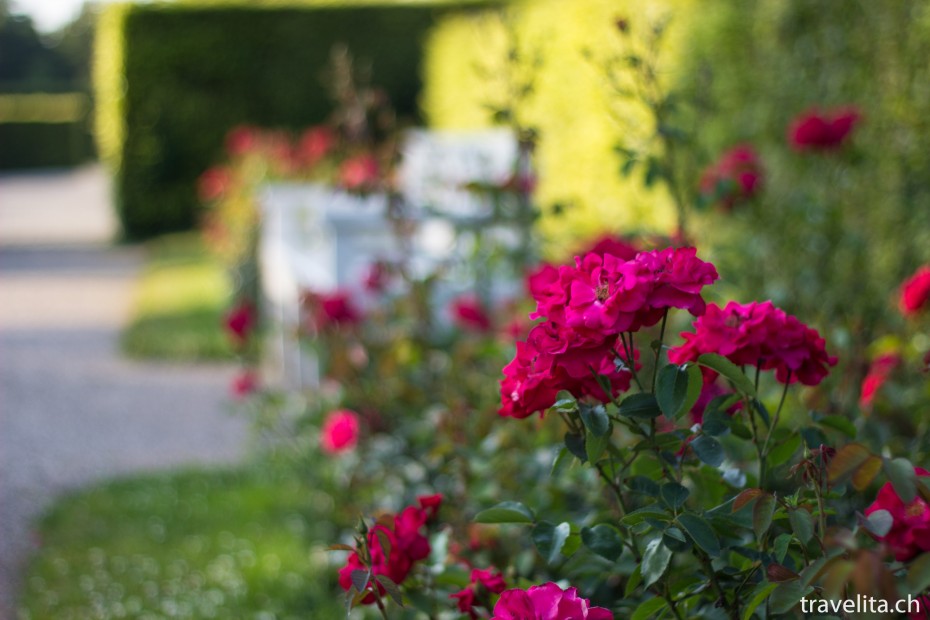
<point x="823" y="131"/>
<point x="758" y="334"/>
<point x="334" y="309"/>
<point x="339" y="432"/>
<point x="315" y="144"/>
<point x="406" y="542"/>
<point x="239" y="322"/>
<point x="610" y="244"/>
<point x="547" y="602"/>
<point x="244" y="384"/>
<point x="242" y="139"/>
<point x="213" y="184"/>
<point x="909" y="535"/>
<point x="915" y="292"/>
<point x="736" y="177"/>
<point x="360" y="173"/>
<point x="469" y="314"/>
<point x="878" y="374"/>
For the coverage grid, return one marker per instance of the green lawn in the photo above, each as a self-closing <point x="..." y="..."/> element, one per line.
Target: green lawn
<point x="180" y="302"/>
<point x="222" y="544"/>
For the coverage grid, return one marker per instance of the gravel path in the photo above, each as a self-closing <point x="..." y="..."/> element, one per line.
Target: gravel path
<point x="72" y="411"/>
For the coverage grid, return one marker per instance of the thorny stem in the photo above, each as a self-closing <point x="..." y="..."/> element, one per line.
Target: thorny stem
<point x="732" y="608"/>
<point x="655" y="367"/>
<point x="781" y="403"/>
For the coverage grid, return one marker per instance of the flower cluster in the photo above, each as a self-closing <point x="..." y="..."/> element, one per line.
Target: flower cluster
<point x="482" y="583"/>
<point x="339" y="432"/>
<point x="605" y="295"/>
<point x="761" y="335"/>
<point x="909" y="535"/>
<point x="406" y="544"/>
<point x="547" y="602"/>
<point x="587" y="307"/>
<point x="823" y="131"/>
<point x="915" y="292"/>
<point x="736" y="177"/>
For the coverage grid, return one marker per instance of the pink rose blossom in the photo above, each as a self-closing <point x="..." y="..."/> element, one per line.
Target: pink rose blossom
<point x="360" y="173"/>
<point x="909" y="535"/>
<point x="483" y="582"/>
<point x="406" y="541"/>
<point x="240" y="321"/>
<point x="915" y="292"/>
<point x="879" y="372"/>
<point x="469" y="314"/>
<point x="761" y="335"/>
<point x="339" y="432"/>
<point x="547" y="602"/>
<point x="315" y="144"/>
<point x="243" y="384"/>
<point x="823" y="131"/>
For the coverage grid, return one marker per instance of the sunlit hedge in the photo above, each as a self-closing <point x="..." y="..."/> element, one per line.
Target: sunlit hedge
<point x="576" y="119"/>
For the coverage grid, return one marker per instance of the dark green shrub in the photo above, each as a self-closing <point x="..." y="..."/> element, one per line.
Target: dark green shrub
<point x="172" y="80"/>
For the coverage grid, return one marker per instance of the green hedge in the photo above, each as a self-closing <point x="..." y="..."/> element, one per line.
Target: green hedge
<point x="39" y="130"/>
<point x="171" y="80"/>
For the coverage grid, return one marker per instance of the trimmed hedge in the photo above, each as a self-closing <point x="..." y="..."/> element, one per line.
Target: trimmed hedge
<point x="39" y="130"/>
<point x="171" y="80"/>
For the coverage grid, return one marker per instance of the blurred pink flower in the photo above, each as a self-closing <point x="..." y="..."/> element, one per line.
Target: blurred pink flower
<point x="339" y="432"/>
<point x="823" y="131"/>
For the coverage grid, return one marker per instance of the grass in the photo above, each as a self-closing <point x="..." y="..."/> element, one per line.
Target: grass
<point x="180" y="302"/>
<point x="221" y="544"/>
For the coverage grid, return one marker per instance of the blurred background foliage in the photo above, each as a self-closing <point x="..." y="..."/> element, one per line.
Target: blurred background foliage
<point x="164" y="110"/>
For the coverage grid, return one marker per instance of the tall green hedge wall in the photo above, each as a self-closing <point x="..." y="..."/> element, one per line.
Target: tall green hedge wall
<point x="171" y="80"/>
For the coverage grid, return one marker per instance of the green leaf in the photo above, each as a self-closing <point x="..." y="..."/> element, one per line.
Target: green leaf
<point x="839" y="423"/>
<point x="550" y="539"/>
<point x="560" y="462"/>
<point x="506" y="512"/>
<point x="655" y="561"/>
<point x="675" y="539"/>
<point x="708" y="449"/>
<point x="677" y="389"/>
<point x="802" y="524"/>
<point x="878" y="523"/>
<point x="595" y="419"/>
<point x="649" y="512"/>
<point x="595" y="446"/>
<point x="649" y="609"/>
<point x="644" y="485"/>
<point x="575" y="445"/>
<point x="762" y="514"/>
<point x="782" y="452"/>
<point x="787" y="595"/>
<point x="700" y="532"/>
<point x="633" y="582"/>
<point x="730" y="371"/>
<point x="781" y="547"/>
<point x="674" y="494"/>
<point x="604" y="540"/>
<point x="918" y="574"/>
<point x="759" y="594"/>
<point x="391" y="588"/>
<point x="847" y="461"/>
<point x="716" y="421"/>
<point x="360" y="579"/>
<point x="640" y="406"/>
<point x="903" y="478"/>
